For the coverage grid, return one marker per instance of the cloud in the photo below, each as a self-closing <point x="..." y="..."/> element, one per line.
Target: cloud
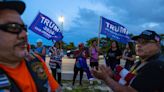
<point x="137" y="15"/>
<point x="86" y="26"/>
<point x="140" y="10"/>
<point x="150" y="25"/>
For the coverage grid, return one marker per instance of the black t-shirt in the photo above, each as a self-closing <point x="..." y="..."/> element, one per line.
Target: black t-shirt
<point x="111" y="55"/>
<point x="128" y="54"/>
<point x="150" y="78"/>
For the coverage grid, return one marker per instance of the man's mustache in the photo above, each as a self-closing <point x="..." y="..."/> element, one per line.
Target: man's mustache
<point x="23" y="42"/>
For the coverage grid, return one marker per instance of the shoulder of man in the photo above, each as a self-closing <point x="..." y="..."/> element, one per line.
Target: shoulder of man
<point x="159" y="63"/>
<point x="161" y="58"/>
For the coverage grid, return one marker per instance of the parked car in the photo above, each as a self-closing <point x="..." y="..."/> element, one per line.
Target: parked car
<point x="70" y="53"/>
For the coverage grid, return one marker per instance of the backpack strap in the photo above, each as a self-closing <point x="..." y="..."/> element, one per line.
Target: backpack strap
<point x="38" y="73"/>
<point x="4" y="80"/>
<point x="7" y="84"/>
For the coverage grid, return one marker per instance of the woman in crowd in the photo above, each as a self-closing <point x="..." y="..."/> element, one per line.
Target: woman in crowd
<point x="94" y="51"/>
<point x="128" y="56"/>
<point x="113" y="55"/>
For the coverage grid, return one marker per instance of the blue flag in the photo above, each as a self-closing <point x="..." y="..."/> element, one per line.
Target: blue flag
<point x="114" y="30"/>
<point x="83" y="64"/>
<point x="46" y="27"/>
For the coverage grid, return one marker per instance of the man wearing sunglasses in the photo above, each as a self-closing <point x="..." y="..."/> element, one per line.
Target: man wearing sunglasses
<point x="19" y="70"/>
<point x="149" y="72"/>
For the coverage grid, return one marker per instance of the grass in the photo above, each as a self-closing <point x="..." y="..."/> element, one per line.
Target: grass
<point x="86" y="87"/>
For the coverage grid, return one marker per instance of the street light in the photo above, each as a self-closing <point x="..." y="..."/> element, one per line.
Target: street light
<point x="61" y="20"/>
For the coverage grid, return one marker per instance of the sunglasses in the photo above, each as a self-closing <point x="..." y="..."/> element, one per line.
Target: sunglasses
<point x="144" y="42"/>
<point x="14" y="28"/>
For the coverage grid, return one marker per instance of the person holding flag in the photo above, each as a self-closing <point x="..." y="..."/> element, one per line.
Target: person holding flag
<point x="81" y="64"/>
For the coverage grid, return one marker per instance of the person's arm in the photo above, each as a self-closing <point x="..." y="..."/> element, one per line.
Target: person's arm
<point x="119" y="54"/>
<point x="116" y="87"/>
<point x="44" y="51"/>
<point x="84" y="53"/>
<point x="107" y="78"/>
<point x="61" y="53"/>
<point x="130" y="58"/>
<point x="119" y="57"/>
<point x="123" y="54"/>
<point x="50" y="52"/>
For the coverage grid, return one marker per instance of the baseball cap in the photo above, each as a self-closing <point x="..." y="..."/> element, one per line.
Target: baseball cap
<point x="39" y="40"/>
<point x="17" y="5"/>
<point x="148" y="35"/>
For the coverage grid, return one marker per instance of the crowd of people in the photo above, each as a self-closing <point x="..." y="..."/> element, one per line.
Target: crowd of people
<point x="22" y="70"/>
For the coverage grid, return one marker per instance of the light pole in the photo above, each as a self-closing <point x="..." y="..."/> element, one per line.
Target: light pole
<point x="61" y="20"/>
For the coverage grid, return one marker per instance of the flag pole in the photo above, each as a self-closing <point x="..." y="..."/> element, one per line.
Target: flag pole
<point x="99" y="32"/>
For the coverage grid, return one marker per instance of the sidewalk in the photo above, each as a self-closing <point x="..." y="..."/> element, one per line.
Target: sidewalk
<point x="68" y="65"/>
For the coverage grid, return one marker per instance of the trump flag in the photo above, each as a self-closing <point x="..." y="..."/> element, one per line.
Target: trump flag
<point x="46" y="28"/>
<point x="114" y="30"/>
